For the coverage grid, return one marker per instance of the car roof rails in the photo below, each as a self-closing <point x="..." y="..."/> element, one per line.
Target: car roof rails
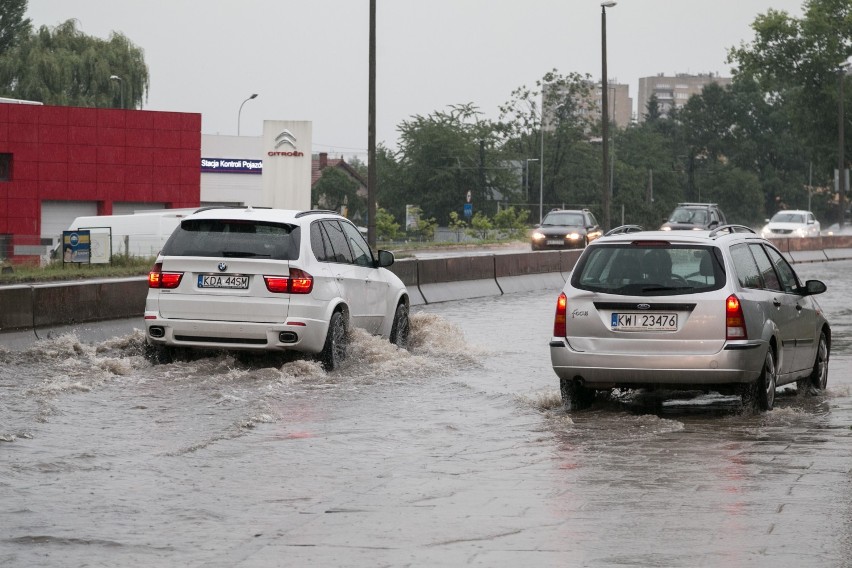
<point x="731" y="229"/>
<point x="624" y="229"/>
<point x="691" y="204"/>
<point x="316" y="212"/>
<point x="211" y="207"/>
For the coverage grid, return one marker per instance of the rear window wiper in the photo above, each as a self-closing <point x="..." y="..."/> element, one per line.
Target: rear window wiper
<point x="243" y="254"/>
<point x="665" y="288"/>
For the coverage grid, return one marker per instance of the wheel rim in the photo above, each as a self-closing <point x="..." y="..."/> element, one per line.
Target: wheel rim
<point x="769" y="379"/>
<point x="822" y="364"/>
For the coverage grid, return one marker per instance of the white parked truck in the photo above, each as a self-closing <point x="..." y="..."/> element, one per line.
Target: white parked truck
<point x="139" y="234"/>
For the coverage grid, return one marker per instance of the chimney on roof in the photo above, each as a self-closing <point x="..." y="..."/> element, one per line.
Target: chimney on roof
<point x="323" y="161"/>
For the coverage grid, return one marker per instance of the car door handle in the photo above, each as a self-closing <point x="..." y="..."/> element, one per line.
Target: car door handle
<point x="798" y="308"/>
<point x="776" y="303"/>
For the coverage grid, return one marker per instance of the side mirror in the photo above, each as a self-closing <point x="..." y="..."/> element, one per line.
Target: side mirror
<point x="813" y="287"/>
<point x="386" y="258"/>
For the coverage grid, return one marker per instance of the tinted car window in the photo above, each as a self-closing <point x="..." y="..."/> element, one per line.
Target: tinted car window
<point x="628" y="269"/>
<point x="235" y="239"/>
<point x="360" y="248"/>
<point x="764" y="265"/>
<point x="745" y="267"/>
<point x="784" y="270"/>
<point x="339" y="242"/>
<point x="320" y="243"/>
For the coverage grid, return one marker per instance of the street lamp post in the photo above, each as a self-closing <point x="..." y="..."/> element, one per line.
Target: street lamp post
<point x="541" y="162"/>
<point x="120" y="87"/>
<point x="527" y="170"/>
<point x="254" y="95"/>
<point x="605" y="116"/>
<point x="841" y="147"/>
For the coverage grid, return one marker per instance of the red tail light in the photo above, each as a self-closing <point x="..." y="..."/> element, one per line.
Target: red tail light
<point x="735" y="327"/>
<point x="560" y="328"/>
<point x="298" y="282"/>
<point x="159" y="279"/>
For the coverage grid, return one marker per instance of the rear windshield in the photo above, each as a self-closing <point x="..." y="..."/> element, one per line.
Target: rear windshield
<point x="640" y="270"/>
<point x="234" y="239"/>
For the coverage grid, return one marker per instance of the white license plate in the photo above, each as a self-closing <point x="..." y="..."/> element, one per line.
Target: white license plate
<point x="554" y="242"/>
<point x="639" y="321"/>
<point x="232" y="281"/>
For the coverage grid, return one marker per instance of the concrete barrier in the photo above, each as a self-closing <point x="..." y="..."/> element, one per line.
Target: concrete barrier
<point x="16" y="307"/>
<point x="523" y="271"/>
<point x="428" y="281"/>
<point x="406" y="270"/>
<point x="456" y="278"/>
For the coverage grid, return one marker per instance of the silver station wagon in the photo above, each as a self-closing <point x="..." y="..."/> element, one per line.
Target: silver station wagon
<point x="717" y="310"/>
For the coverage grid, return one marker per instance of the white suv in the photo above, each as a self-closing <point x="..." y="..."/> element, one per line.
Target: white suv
<point x="270" y="280"/>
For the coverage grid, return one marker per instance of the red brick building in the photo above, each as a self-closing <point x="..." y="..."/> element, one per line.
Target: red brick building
<point x="55" y="161"/>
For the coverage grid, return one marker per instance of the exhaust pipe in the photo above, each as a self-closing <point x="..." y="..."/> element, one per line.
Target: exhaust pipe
<point x="288" y="337"/>
<point x="156" y="331"/>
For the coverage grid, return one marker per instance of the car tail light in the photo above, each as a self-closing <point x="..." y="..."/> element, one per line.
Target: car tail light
<point x="298" y="282"/>
<point x="159" y="279"/>
<point x="559" y="326"/>
<point x="735" y="327"/>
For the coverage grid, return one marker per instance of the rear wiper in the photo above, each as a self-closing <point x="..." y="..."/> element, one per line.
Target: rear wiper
<point x="242" y="254"/>
<point x="664" y="288"/>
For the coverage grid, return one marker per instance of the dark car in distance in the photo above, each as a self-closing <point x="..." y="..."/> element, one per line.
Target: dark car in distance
<point x="694" y="217"/>
<point x="565" y="229"/>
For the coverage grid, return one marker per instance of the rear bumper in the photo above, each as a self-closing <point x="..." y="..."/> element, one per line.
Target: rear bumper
<point x="236" y="335"/>
<point x="735" y="364"/>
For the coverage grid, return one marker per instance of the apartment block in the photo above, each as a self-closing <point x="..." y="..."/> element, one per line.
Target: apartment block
<point x="672" y="91"/>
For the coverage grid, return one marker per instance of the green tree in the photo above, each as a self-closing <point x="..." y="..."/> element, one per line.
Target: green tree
<point x="387" y="229"/>
<point x="447" y="154"/>
<point x="13" y="25"/>
<point x="795" y="64"/>
<point x="480" y="226"/>
<point x="335" y="190"/>
<point x="568" y="174"/>
<point x="512" y="222"/>
<point x="63" y="66"/>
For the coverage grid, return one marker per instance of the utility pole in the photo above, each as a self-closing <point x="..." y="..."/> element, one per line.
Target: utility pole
<point x="371" y="134"/>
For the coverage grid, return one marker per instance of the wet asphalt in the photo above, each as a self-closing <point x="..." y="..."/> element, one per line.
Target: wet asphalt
<point x="455" y="453"/>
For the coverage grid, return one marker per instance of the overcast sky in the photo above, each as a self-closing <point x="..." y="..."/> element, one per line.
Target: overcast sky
<point x="308" y="59"/>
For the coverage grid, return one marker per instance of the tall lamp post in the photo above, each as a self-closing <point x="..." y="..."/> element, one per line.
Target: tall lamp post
<point x="240" y="112"/>
<point x="120" y="87"/>
<point x="528" y="175"/>
<point x="541" y="161"/>
<point x="841" y="147"/>
<point x="605" y="116"/>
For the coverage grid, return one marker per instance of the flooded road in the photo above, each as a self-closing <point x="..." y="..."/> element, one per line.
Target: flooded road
<point x="456" y="453"/>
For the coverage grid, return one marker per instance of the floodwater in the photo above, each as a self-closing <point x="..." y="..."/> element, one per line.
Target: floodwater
<point x="456" y="453"/>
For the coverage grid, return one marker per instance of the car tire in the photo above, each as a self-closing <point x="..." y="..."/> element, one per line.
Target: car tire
<point x="158" y="354"/>
<point x="818" y="379"/>
<point x="336" y="345"/>
<point x="760" y="395"/>
<point x="574" y="395"/>
<point x="401" y="327"/>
